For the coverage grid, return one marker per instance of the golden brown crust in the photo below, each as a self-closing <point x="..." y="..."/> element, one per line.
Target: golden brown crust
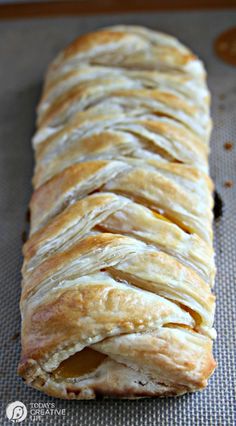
<point x="115" y="379"/>
<point x="116" y="313"/>
<point x="120" y="259"/>
<point x="72" y="183"/>
<point x="113" y="213"/>
<point x="162" y="138"/>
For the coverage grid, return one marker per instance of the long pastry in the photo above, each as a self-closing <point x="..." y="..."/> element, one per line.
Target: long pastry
<point x="118" y="268"/>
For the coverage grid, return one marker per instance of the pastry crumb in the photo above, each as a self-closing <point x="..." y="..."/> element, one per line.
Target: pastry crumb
<point x="228" y="184"/>
<point x="228" y="146"/>
<point x="15" y="336"/>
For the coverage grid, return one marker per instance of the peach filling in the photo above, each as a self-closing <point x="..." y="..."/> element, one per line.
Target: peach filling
<point x="175" y="222"/>
<point x="160" y="216"/>
<point x="83" y="362"/>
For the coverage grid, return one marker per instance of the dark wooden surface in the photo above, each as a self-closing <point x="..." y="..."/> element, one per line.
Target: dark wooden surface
<point x="86" y="7"/>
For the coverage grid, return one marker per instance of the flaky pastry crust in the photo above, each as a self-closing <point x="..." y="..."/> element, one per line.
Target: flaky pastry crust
<point x="119" y="264"/>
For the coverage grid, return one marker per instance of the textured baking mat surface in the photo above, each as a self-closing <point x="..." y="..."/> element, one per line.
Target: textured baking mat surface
<point x="26" y="48"/>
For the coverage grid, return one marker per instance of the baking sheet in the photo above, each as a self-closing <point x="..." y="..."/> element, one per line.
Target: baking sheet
<point x="26" y="47"/>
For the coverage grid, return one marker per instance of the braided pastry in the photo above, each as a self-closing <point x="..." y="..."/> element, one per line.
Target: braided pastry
<point x="118" y="268"/>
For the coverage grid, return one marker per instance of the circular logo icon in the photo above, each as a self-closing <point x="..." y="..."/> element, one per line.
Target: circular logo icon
<point x="16" y="411"/>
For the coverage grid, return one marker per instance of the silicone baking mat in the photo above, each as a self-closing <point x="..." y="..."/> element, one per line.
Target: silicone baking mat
<point x="26" y="48"/>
